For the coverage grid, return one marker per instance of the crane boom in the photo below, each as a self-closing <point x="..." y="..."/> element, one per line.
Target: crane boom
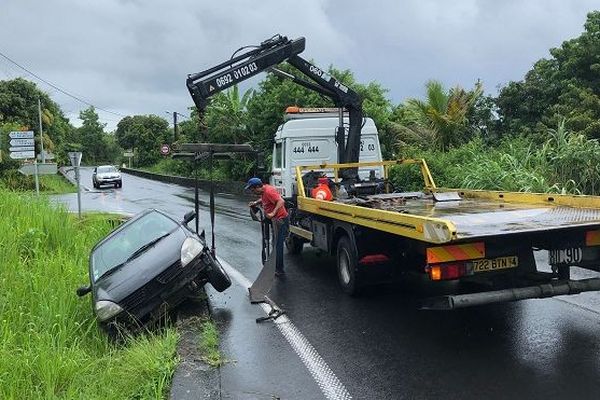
<point x="274" y="51"/>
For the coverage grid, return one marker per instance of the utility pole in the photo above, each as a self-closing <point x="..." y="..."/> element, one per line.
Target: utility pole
<point x="175" y="135"/>
<point x="175" y="127"/>
<point x="41" y="131"/>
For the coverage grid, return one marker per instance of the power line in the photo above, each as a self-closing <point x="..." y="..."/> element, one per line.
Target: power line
<point x="58" y="88"/>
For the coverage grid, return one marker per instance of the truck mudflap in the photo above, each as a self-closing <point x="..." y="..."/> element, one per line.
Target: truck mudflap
<point x="558" y="288"/>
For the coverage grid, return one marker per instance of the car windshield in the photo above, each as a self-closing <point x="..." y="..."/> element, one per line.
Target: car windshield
<point x="116" y="250"/>
<point x="104" y="170"/>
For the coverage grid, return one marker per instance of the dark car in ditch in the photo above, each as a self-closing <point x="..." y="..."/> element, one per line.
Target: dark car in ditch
<point x="145" y="268"/>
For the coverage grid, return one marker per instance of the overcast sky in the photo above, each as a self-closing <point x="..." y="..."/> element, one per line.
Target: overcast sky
<point x="133" y="56"/>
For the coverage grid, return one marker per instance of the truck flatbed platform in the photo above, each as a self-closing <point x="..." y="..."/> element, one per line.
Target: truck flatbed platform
<point x="477" y="213"/>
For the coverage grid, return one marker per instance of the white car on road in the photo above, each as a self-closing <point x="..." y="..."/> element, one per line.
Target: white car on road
<point x="106" y="175"/>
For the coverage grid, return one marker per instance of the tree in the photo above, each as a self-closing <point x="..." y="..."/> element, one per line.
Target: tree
<point x="227" y="117"/>
<point x="567" y="85"/>
<point x="144" y="134"/>
<point x="91" y="136"/>
<point x="442" y="116"/>
<point x="19" y="105"/>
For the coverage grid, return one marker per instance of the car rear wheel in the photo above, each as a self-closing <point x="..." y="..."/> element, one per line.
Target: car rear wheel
<point x="217" y="276"/>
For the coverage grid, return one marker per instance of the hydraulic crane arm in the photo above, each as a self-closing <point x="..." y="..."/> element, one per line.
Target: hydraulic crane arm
<point x="270" y="53"/>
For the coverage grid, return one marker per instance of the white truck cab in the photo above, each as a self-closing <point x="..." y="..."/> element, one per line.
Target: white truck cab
<point x="307" y="137"/>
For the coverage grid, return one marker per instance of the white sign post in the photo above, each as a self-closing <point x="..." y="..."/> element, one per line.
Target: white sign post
<point x="75" y="157"/>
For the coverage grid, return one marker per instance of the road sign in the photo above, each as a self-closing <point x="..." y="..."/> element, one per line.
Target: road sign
<point x="75" y="157"/>
<point x="43" y="169"/>
<point x="165" y="149"/>
<point x="22" y="148"/>
<point x="128" y="154"/>
<point x="22" y="142"/>
<point x="21" y="155"/>
<point x="21" y="135"/>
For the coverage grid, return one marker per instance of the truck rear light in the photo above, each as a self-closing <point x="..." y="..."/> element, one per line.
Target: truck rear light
<point x="440" y="272"/>
<point x="374" y="259"/>
<point x="592" y="238"/>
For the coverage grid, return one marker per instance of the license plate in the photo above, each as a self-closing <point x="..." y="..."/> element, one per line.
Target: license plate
<point x="494" y="264"/>
<point x="570" y="256"/>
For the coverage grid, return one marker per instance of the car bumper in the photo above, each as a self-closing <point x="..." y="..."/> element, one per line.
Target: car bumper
<point x="163" y="293"/>
<point x="107" y="180"/>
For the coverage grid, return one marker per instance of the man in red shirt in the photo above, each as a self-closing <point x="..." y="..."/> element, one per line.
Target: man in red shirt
<point x="274" y="208"/>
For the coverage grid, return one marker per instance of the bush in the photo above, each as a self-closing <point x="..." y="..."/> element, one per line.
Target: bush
<point x="565" y="163"/>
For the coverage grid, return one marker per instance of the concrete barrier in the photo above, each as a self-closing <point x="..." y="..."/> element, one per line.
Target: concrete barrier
<point x="232" y="187"/>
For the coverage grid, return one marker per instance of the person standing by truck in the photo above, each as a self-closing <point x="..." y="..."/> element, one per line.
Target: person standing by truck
<point x="274" y="208"/>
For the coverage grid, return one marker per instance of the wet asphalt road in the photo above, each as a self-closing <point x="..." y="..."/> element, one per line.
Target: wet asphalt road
<point x="378" y="345"/>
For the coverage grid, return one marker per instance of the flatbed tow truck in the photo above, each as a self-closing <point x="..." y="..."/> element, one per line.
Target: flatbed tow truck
<point x="484" y="241"/>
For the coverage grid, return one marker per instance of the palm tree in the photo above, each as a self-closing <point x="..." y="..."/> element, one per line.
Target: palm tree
<point x="227" y="116"/>
<point x="444" y="113"/>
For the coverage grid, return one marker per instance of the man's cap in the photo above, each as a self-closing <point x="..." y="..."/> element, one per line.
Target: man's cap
<point x="253" y="182"/>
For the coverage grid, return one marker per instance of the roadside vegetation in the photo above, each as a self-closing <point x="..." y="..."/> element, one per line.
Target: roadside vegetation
<point x="209" y="344"/>
<point x="48" y="184"/>
<point x="50" y="345"/>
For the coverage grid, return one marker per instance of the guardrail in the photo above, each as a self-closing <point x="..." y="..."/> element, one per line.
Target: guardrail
<point x="231" y="187"/>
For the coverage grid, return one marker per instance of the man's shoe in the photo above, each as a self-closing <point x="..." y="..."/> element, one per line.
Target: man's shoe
<point x="279" y="273"/>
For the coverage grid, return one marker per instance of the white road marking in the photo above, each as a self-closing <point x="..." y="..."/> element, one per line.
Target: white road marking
<point x="330" y="385"/>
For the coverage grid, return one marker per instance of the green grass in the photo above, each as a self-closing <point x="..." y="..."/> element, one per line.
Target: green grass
<point x="56" y="184"/>
<point x="50" y="345"/>
<point x="565" y="163"/>
<point x="209" y="344"/>
<point x="48" y="184"/>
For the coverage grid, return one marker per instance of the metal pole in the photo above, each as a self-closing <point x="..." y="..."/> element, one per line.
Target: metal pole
<point x="78" y="192"/>
<point x="175" y="134"/>
<point x="37" y="182"/>
<point x="41" y="132"/>
<point x="196" y="206"/>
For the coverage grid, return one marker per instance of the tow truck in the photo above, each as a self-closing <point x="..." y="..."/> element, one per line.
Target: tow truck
<point x="481" y="241"/>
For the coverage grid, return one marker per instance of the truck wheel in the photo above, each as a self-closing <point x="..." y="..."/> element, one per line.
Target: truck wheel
<point x="217" y="276"/>
<point x="347" y="266"/>
<point x="294" y="244"/>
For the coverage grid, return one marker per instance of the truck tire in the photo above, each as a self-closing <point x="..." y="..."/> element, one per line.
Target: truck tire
<point x="347" y="266"/>
<point x="217" y="276"/>
<point x="294" y="244"/>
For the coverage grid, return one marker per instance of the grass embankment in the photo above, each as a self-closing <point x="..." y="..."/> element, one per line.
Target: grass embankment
<point x="50" y="345"/>
<point x="48" y="184"/>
